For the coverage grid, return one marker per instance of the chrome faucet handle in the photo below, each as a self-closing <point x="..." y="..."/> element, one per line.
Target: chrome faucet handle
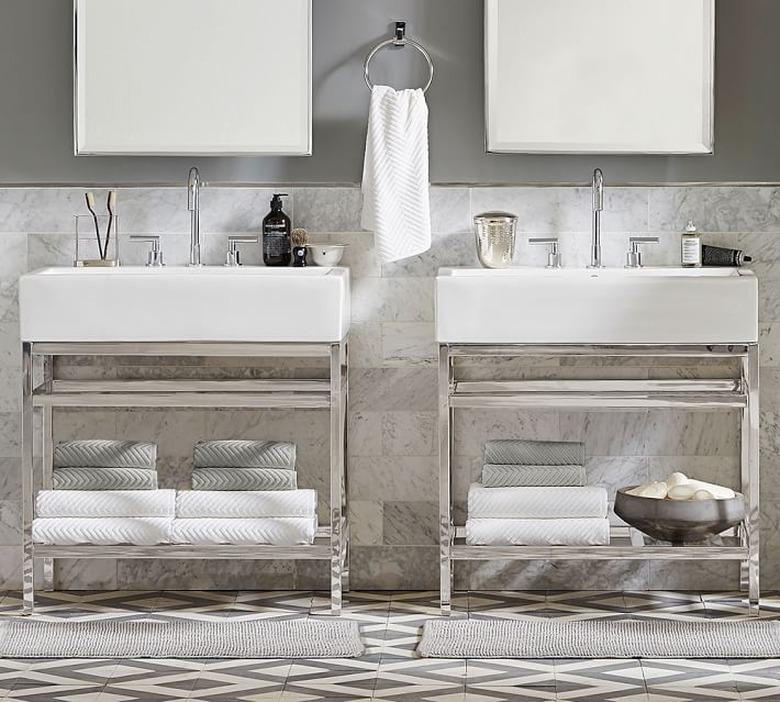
<point x="155" y="257"/>
<point x="233" y="256"/>
<point x="553" y="253"/>
<point x="634" y="256"/>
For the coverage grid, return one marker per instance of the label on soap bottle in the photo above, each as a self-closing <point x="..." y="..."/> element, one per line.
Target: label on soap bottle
<point x="691" y="251"/>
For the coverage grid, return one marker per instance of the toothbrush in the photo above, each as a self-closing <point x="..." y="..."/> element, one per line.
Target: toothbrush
<point x="90" y="198"/>
<point x="110" y="206"/>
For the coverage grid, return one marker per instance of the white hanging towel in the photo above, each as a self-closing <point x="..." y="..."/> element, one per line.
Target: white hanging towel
<point x="396" y="204"/>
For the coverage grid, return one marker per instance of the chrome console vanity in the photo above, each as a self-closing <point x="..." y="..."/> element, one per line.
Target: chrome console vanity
<point x="700" y="313"/>
<point x="196" y="315"/>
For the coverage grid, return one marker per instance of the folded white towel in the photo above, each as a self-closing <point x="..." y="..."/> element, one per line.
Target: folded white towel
<point x="537" y="502"/>
<point x="246" y="504"/>
<point x="396" y="202"/>
<point x="104" y="531"/>
<point x="105" y="503"/>
<point x="537" y="532"/>
<point x="274" y="531"/>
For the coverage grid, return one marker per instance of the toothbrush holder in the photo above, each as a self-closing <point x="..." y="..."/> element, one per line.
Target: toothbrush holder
<point x="92" y="250"/>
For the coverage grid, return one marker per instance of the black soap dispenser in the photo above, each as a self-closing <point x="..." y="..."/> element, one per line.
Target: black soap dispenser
<point x="277" y="245"/>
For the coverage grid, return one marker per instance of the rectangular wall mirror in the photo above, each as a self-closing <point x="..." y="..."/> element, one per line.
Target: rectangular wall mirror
<point x="602" y="76"/>
<point x="208" y="77"/>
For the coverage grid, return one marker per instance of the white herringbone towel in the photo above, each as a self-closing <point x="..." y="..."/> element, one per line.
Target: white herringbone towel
<point x="246" y="503"/>
<point x="104" y="531"/>
<point x="537" y="532"/>
<point x="396" y="201"/>
<point x="105" y="503"/>
<point x="537" y="502"/>
<point x="273" y="531"/>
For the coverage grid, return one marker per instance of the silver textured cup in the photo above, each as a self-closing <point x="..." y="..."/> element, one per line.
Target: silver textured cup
<point x="495" y="233"/>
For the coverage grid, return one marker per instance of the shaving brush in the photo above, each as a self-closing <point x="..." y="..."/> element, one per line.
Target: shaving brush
<point x="299" y="238"/>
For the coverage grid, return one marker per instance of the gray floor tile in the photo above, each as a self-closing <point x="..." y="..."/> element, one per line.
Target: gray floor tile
<point x="391" y="625"/>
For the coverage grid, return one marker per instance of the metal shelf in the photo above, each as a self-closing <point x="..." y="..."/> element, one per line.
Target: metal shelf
<point x="593" y="394"/>
<point x="740" y="393"/>
<point x="320" y="550"/>
<point x="625" y="544"/>
<point x="331" y="541"/>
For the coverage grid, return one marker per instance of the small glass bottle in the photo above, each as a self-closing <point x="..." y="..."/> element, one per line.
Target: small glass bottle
<point x="690" y="247"/>
<point x="277" y="246"/>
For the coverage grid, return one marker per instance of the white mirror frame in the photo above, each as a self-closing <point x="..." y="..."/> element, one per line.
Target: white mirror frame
<point x="531" y="104"/>
<point x="243" y="80"/>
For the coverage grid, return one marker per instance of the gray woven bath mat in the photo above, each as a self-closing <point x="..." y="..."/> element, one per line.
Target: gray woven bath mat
<point x="549" y="638"/>
<point x="299" y="638"/>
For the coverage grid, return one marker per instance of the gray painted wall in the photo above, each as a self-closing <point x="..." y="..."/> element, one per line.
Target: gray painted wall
<point x="36" y="122"/>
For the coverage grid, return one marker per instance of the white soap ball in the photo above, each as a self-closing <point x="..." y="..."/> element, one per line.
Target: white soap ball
<point x="661" y="488"/>
<point x="676" y="478"/>
<point x="681" y="492"/>
<point x="703" y="495"/>
<point x="719" y="492"/>
<point x="656" y="490"/>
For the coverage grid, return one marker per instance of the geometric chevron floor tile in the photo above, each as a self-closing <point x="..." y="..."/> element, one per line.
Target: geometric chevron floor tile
<point x="389" y="670"/>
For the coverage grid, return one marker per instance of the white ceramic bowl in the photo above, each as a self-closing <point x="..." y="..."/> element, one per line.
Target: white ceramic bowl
<point x="325" y="254"/>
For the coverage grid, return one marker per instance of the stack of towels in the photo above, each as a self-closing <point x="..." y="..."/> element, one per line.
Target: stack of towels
<point x="233" y="464"/>
<point x="245" y="492"/>
<point x="101" y="464"/>
<point x="105" y="493"/>
<point x="104" y="517"/>
<point x="533" y="493"/>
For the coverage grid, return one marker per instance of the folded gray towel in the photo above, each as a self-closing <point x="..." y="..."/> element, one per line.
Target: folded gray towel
<point x="98" y="478"/>
<point x="532" y="476"/>
<point x="105" y="453"/>
<point x="535" y="453"/>
<point x="235" y="453"/>
<point x="227" y="478"/>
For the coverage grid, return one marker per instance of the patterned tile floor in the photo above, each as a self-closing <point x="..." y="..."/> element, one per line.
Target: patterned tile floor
<point x="389" y="670"/>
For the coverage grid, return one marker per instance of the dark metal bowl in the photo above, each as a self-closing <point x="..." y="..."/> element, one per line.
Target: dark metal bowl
<point x="679" y="521"/>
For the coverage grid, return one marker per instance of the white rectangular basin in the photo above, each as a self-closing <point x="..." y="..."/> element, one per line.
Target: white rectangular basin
<point x="250" y="303"/>
<point x="604" y="306"/>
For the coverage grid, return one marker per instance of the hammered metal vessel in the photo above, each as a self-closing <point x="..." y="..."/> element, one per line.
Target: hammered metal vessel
<point x="495" y="236"/>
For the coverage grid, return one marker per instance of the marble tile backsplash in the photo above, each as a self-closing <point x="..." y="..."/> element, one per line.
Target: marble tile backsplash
<point x="392" y="422"/>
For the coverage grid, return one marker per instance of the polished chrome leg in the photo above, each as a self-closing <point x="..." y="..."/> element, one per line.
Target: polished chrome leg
<point x="750" y="476"/>
<point x="337" y="445"/>
<point x="345" y="473"/>
<point x="47" y="459"/>
<point x="445" y="497"/>
<point x="28" y="581"/>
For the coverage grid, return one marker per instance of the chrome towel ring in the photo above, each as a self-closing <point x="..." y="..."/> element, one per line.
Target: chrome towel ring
<point x="400" y="39"/>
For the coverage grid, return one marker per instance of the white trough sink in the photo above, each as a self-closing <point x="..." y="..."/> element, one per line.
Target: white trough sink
<point x="605" y="306"/>
<point x="251" y="303"/>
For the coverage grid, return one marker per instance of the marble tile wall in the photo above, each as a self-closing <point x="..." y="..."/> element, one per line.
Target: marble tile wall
<point x="393" y="476"/>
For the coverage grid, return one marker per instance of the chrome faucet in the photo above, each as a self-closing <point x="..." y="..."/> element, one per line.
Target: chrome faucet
<point x="193" y="205"/>
<point x="598" y="205"/>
